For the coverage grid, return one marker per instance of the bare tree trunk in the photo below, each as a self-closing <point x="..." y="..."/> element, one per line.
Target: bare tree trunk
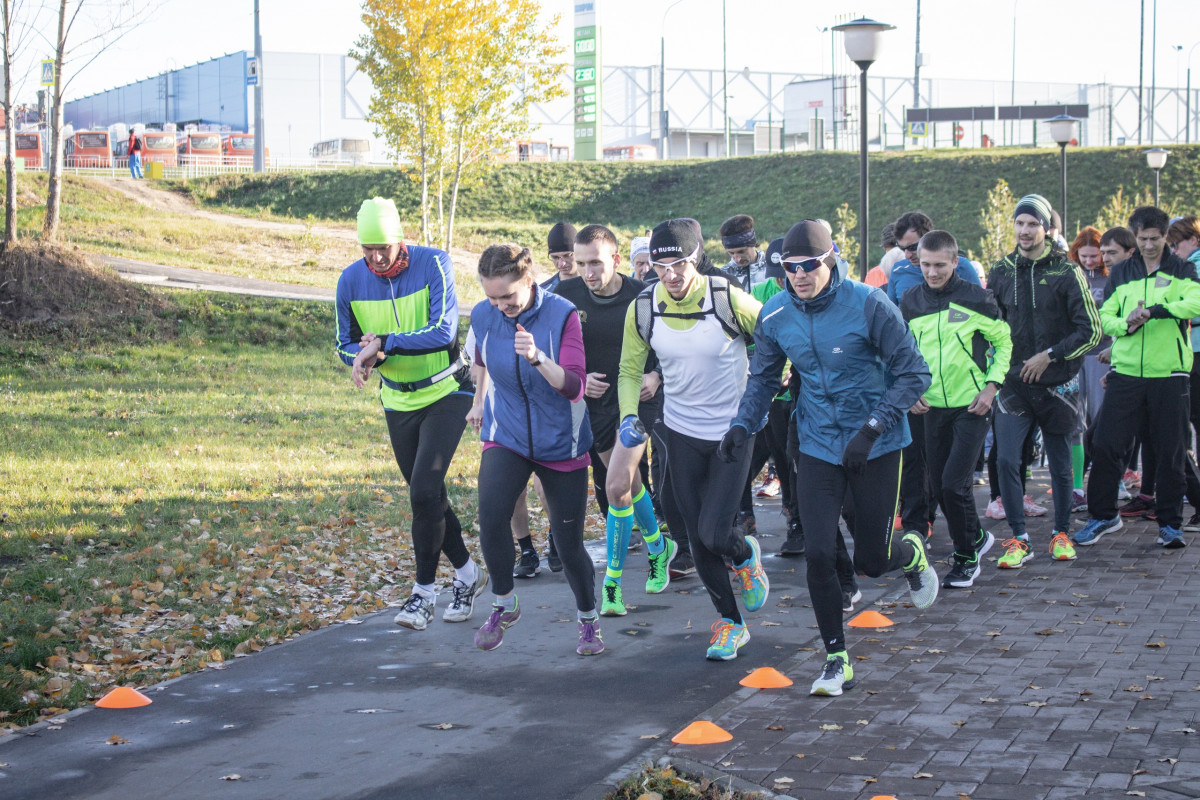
<point x="10" y="138"/>
<point x="458" y="170"/>
<point x="54" y="192"/>
<point x="424" y="182"/>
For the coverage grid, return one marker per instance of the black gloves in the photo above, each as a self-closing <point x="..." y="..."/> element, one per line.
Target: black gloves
<point x="858" y="450"/>
<point x="733" y="444"/>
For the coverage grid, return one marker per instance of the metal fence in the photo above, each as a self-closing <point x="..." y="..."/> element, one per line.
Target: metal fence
<point x="120" y="168"/>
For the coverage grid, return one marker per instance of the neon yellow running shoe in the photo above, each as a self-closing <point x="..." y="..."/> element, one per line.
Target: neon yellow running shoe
<point x="1016" y="554"/>
<point x="1061" y="548"/>
<point x="612" y="604"/>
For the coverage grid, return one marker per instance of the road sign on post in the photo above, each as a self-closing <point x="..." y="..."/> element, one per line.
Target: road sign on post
<point x="252" y="71"/>
<point x="48" y="72"/>
<point x="588" y="83"/>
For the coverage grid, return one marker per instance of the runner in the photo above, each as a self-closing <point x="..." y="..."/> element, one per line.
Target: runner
<point x="602" y="295"/>
<point x="424" y="389"/>
<point x="860" y="372"/>
<point x="697" y="326"/>
<point x="955" y="323"/>
<point x="531" y="420"/>
<point x="747" y="265"/>
<point x="1048" y="306"/>
<point x="560" y="242"/>
<point x="1148" y="302"/>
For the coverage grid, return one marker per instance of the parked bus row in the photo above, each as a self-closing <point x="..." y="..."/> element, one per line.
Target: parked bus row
<point x="99" y="149"/>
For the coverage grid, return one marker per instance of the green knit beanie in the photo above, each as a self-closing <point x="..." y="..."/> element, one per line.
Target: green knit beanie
<point x="378" y="222"/>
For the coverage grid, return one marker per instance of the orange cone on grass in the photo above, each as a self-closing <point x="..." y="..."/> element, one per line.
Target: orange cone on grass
<point x="766" y="678"/>
<point x="123" y="697"/>
<point x="702" y="732"/>
<point x="870" y="619"/>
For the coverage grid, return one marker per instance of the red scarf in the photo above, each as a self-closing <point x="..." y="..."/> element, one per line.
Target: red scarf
<point x="398" y="266"/>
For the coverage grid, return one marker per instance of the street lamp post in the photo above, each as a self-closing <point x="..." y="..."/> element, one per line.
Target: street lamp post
<point x="1062" y="130"/>
<point x="1156" y="159"/>
<point x="260" y="143"/>
<point x="663" y="120"/>
<point x="863" y="41"/>
<point x="1187" y="98"/>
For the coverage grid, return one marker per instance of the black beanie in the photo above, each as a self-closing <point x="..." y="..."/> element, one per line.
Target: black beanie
<point x="1035" y="206"/>
<point x="775" y="259"/>
<point x="561" y="238"/>
<point x="808" y="238"/>
<point x="675" y="238"/>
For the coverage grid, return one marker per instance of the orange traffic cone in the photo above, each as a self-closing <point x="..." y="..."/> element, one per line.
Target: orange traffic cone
<point x="702" y="732"/>
<point x="766" y="678"/>
<point x="883" y="797"/>
<point x="870" y="619"/>
<point x="123" y="697"/>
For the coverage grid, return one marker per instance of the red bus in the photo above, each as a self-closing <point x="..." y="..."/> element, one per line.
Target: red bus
<point x="239" y="150"/>
<point x="29" y="147"/>
<point x="89" y="149"/>
<point x="159" y="146"/>
<point x="199" y="148"/>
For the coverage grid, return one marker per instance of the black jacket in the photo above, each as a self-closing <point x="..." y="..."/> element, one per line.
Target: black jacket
<point x="1047" y="304"/>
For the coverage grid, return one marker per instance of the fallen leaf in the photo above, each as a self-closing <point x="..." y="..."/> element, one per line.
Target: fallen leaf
<point x="1036" y="704"/>
<point x="863" y="722"/>
<point x="1156" y="644"/>
<point x="649" y="736"/>
<point x="774" y="727"/>
<point x="650" y="796"/>
<point x="798" y="755"/>
<point x="959" y="723"/>
<point x="870" y="780"/>
<point x="831" y="727"/>
<point x="1171" y="761"/>
<point x="233" y="776"/>
<point x="769" y="624"/>
<point x="1135" y="793"/>
<point x="989" y="700"/>
<point x="1133" y="687"/>
<point x="1139" y="772"/>
<point x="1153" y="678"/>
<point x="1184" y="730"/>
<point x="181" y="722"/>
<point x="923" y="775"/>
<point x="116" y="740"/>
<point x="1050" y="631"/>
<point x="443" y="726"/>
<point x="785" y="780"/>
<point x="857" y="758"/>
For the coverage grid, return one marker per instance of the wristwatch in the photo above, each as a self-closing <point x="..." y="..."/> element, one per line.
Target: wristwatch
<point x="538" y="361"/>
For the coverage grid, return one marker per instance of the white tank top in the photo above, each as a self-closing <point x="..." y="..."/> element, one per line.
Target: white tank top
<point x="704" y="374"/>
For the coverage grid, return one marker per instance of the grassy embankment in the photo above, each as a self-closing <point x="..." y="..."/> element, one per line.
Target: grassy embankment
<point x="519" y="201"/>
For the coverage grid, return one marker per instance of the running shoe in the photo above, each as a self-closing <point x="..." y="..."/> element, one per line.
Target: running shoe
<point x="745" y="520"/>
<point x="793" y="546"/>
<point x="463" y="600"/>
<point x="1151" y="515"/>
<point x="962" y="574"/>
<point x="995" y="509"/>
<point x="552" y="559"/>
<point x="1060" y="547"/>
<point x="983" y="543"/>
<point x="849" y="599"/>
<point x="769" y="488"/>
<point x="1131" y="479"/>
<point x="727" y="638"/>
<point x="922" y="578"/>
<point x="1078" y="501"/>
<point x="1016" y="555"/>
<point x="1137" y="507"/>
<point x="612" y="604"/>
<point x="1193" y="524"/>
<point x="590" y="643"/>
<point x="1123" y="493"/>
<point x="755" y="585"/>
<point x="836" y="676"/>
<point x="1095" y="528"/>
<point x="682" y="566"/>
<point x="1170" y="537"/>
<point x="491" y="635"/>
<point x="658" y="577"/>
<point x="528" y="566"/>
<point x="1032" y="509"/>
<point x="416" y="612"/>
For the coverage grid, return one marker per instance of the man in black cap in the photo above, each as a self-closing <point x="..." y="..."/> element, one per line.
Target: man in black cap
<point x="560" y="243"/>
<point x="747" y="265"/>
<point x="860" y="371"/>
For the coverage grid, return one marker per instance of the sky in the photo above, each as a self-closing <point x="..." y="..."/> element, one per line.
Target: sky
<point x="1072" y="41"/>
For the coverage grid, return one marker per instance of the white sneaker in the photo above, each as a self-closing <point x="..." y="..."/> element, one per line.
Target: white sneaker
<point x="463" y="597"/>
<point x="1123" y="492"/>
<point x="995" y="509"/>
<point x="416" y="612"/>
<point x="1032" y="509"/>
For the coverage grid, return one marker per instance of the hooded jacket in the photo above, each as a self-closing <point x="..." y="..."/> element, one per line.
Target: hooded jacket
<point x="1047" y="305"/>
<point x="1160" y="347"/>
<point x="855" y="358"/>
<point x="905" y="275"/>
<point x="954" y="327"/>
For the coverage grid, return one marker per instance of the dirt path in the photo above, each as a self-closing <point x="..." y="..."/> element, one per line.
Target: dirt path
<point x="172" y="202"/>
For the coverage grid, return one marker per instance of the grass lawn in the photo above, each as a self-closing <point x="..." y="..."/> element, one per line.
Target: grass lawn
<point x="188" y="498"/>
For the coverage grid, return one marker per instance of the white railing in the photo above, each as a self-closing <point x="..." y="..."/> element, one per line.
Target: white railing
<point x="209" y="167"/>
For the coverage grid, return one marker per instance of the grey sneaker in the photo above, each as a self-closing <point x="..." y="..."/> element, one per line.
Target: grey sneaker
<point x="463" y="600"/>
<point x="849" y="599"/>
<point x="491" y="635"/>
<point x="590" y="643"/>
<point x="416" y="612"/>
<point x="922" y="578"/>
<point x="528" y="565"/>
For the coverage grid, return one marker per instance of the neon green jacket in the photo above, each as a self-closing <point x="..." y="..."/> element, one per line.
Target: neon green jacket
<point x="1160" y="347"/>
<point x="954" y="327"/>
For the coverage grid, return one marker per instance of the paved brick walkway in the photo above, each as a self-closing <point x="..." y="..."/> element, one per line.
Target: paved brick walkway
<point x="1059" y="680"/>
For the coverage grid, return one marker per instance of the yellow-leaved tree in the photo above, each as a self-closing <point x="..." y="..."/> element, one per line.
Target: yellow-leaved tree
<point x="454" y="81"/>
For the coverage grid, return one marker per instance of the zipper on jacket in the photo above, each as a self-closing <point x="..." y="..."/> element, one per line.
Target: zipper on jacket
<point x="525" y="398"/>
<point x="812" y="338"/>
<point x="941" y="359"/>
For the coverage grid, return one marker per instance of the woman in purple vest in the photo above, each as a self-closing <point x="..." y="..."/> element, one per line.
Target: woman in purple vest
<point x="531" y="417"/>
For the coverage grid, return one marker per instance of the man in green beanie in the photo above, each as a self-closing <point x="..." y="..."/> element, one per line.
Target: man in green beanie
<point x="397" y="312"/>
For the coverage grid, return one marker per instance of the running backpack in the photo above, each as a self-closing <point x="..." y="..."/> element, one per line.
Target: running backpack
<point x="721" y="307"/>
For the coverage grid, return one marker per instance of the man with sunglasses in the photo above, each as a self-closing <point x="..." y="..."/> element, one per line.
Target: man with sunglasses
<point x="697" y="325"/>
<point x="917" y="506"/>
<point x="860" y="371"/>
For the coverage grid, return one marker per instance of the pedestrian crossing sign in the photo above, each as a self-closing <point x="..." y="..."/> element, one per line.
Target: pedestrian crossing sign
<point x="917" y="129"/>
<point x="48" y="72"/>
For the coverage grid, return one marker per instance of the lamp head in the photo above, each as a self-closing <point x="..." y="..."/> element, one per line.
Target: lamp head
<point x="1062" y="128"/>
<point x="863" y="40"/>
<point x="1156" y="158"/>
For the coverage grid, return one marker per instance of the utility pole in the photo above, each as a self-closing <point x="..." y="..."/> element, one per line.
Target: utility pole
<point x="917" y="63"/>
<point x="259" y="136"/>
<point x="1153" y="64"/>
<point x="1141" y="71"/>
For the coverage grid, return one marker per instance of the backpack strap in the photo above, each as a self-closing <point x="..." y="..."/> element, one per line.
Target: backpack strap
<point x="643" y="312"/>
<point x="723" y="308"/>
